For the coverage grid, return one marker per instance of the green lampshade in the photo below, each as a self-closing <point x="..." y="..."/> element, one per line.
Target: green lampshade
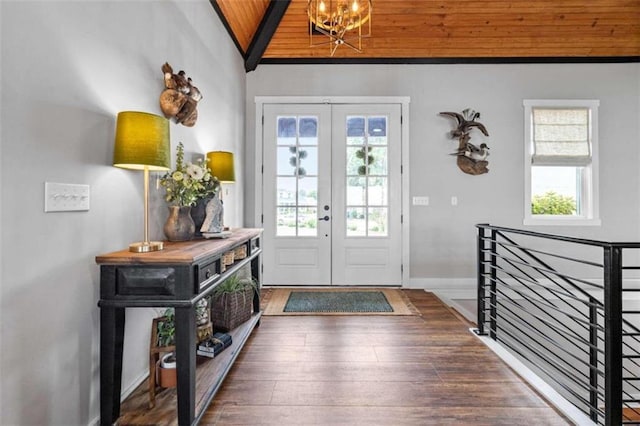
<point x="142" y="139"/>
<point x="221" y="165"/>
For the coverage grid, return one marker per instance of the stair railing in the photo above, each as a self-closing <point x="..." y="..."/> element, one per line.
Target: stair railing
<point x="565" y="307"/>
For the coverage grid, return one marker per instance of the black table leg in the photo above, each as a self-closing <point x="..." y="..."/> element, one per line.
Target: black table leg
<point x="186" y="363"/>
<point x="257" y="276"/>
<point x="111" y="346"/>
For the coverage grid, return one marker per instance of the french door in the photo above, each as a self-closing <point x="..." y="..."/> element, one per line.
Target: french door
<point x="332" y="194"/>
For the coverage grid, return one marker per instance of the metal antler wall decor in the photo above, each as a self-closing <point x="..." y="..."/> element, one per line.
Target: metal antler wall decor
<point x="471" y="159"/>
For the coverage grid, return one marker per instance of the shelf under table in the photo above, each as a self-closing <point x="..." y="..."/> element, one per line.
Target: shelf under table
<point x="210" y="374"/>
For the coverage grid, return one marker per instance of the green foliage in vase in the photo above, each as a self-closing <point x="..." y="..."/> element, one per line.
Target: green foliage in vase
<point x="552" y="203"/>
<point x="188" y="182"/>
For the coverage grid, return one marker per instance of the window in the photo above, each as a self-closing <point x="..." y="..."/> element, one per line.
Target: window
<point x="561" y="162"/>
<point x="367" y="175"/>
<point x="297" y="176"/>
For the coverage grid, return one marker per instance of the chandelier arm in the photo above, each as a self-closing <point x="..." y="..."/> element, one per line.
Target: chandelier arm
<point x="346" y="43"/>
<point x="337" y="20"/>
<point x="324" y="43"/>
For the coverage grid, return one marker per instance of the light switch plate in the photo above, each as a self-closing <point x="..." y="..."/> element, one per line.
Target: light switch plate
<point x="420" y="201"/>
<point x="65" y="197"/>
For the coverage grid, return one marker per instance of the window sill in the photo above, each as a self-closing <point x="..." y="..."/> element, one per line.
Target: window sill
<point x="560" y="221"/>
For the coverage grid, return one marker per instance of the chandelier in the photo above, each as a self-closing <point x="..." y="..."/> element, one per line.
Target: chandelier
<point x="340" y="20"/>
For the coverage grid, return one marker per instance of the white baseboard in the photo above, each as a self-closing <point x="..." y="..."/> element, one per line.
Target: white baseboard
<point x="124" y="394"/>
<point x="134" y="385"/>
<point x="450" y="288"/>
<point x="470" y="316"/>
<point x="550" y="394"/>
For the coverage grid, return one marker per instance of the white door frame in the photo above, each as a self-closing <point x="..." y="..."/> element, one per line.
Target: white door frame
<point x="260" y="101"/>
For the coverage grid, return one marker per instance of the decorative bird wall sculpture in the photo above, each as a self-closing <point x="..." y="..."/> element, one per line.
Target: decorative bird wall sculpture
<point x="473" y="152"/>
<point x="471" y="159"/>
<point x="180" y="97"/>
<point x="466" y="121"/>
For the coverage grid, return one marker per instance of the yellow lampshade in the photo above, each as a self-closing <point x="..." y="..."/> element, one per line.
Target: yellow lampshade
<point x="221" y="165"/>
<point x="142" y="139"/>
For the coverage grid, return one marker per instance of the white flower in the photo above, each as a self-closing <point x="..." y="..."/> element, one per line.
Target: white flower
<point x="195" y="171"/>
<point x="177" y="176"/>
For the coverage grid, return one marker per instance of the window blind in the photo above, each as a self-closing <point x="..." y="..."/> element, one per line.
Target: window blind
<point x="561" y="136"/>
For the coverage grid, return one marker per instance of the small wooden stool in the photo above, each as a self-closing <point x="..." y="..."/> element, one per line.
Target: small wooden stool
<point x="203" y="332"/>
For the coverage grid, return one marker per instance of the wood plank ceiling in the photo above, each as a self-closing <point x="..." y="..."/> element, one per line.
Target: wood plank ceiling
<point x="441" y="31"/>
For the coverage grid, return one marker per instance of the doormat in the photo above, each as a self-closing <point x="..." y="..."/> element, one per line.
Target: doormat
<point x="338" y="302"/>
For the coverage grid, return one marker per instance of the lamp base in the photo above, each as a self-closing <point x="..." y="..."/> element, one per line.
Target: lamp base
<point x="146" y="246"/>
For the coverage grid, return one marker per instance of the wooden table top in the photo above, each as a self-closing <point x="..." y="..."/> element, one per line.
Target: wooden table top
<point x="184" y="252"/>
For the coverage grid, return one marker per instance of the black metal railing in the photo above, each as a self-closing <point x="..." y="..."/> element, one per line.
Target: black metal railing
<point x="566" y="307"/>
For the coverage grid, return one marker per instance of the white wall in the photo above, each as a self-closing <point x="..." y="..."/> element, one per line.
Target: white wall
<point x="68" y="68"/>
<point x="442" y="247"/>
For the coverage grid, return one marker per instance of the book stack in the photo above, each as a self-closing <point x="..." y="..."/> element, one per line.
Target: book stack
<point x="214" y="345"/>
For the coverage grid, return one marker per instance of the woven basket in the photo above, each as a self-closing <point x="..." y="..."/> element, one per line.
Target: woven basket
<point x="232" y="309"/>
<point x="228" y="258"/>
<point x="240" y="252"/>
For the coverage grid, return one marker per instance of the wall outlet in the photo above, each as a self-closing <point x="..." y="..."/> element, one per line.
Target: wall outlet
<point x="454" y="201"/>
<point x="420" y="201"/>
<point x="65" y="197"/>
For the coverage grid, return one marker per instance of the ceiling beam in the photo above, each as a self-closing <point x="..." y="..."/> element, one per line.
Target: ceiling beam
<point x="270" y="21"/>
<point x="458" y="60"/>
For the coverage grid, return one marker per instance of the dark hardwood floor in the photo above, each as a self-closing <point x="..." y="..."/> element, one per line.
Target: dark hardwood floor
<point x="374" y="370"/>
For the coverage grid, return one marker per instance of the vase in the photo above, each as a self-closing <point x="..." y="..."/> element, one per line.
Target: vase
<point x="199" y="213"/>
<point x="167" y="377"/>
<point x="179" y="225"/>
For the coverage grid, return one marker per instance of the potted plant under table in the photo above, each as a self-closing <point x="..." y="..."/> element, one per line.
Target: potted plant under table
<point x="232" y="302"/>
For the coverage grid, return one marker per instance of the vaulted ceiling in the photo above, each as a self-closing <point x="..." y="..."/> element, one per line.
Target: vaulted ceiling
<point x="445" y="31"/>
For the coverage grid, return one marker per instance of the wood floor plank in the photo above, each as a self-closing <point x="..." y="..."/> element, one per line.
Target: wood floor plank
<point x="264" y="338"/>
<point x="336" y="371"/>
<point x="404" y="394"/>
<point x="459" y="372"/>
<point x="386" y="339"/>
<point x="231" y="414"/>
<point x="310" y="354"/>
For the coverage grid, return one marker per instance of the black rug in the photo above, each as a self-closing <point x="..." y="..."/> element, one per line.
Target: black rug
<point x="343" y="301"/>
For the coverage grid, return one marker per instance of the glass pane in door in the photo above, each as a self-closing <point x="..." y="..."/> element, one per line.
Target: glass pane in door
<point x="367" y="174"/>
<point x="297" y="176"/>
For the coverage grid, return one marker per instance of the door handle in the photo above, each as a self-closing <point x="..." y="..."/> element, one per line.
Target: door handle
<point x="324" y="218"/>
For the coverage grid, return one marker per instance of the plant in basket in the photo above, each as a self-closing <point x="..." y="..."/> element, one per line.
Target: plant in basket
<point x="232" y="302"/>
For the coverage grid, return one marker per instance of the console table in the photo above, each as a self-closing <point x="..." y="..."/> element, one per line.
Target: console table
<point x="178" y="277"/>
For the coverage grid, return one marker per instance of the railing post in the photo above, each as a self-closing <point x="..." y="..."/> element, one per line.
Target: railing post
<point x="481" y="278"/>
<point x="613" y="335"/>
<point x="493" y="299"/>
<point x="593" y="359"/>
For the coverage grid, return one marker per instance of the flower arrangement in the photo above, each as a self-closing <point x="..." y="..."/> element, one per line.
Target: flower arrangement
<point x="188" y="182"/>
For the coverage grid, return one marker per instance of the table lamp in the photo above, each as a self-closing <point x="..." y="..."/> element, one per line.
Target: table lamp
<point x="222" y="166"/>
<point x="142" y="143"/>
